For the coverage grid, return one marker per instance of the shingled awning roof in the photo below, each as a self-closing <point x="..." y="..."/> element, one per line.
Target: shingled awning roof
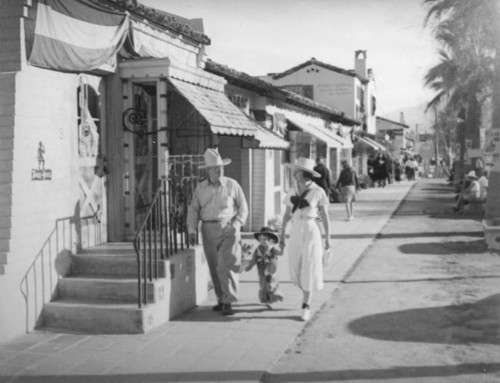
<point x="224" y="117"/>
<point x="220" y="113"/>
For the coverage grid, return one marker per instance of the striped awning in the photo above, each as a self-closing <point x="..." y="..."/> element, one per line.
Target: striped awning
<point x="221" y="114"/>
<point x="76" y="36"/>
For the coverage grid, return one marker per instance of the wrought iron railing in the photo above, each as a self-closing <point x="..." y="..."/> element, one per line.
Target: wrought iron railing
<point x="164" y="231"/>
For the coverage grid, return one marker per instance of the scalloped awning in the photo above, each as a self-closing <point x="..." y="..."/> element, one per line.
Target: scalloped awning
<point x="374" y="143"/>
<point x="367" y="143"/>
<point x="221" y="114"/>
<point x="308" y="126"/>
<point x="269" y="140"/>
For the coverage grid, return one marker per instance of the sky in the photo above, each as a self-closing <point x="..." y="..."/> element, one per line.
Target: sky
<point x="270" y="36"/>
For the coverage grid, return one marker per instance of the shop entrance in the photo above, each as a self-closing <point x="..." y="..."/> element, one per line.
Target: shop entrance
<point x="145" y="149"/>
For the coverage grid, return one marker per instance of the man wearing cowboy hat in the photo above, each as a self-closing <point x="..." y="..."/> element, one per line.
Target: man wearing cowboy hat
<point x="219" y="203"/>
<point x="472" y="192"/>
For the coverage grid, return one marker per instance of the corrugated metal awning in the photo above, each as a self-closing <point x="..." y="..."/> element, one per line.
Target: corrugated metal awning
<point x="221" y="114"/>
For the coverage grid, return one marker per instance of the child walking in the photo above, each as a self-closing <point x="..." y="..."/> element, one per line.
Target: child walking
<point x="265" y="256"/>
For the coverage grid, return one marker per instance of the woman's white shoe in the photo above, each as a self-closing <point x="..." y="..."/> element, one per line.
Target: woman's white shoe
<point x="306" y="314"/>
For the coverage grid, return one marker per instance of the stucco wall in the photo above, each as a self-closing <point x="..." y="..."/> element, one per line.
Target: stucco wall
<point x="330" y="88"/>
<point x="42" y="211"/>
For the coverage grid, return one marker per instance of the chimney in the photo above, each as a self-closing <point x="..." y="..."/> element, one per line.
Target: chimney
<point x="402" y="118"/>
<point x="360" y="63"/>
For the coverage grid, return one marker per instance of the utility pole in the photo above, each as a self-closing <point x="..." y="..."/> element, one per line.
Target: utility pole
<point x="436" y="143"/>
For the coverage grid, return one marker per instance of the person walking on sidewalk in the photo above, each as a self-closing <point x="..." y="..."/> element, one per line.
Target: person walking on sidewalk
<point x="304" y="202"/>
<point x="324" y="175"/>
<point x="348" y="184"/>
<point x="265" y="256"/>
<point x="219" y="203"/>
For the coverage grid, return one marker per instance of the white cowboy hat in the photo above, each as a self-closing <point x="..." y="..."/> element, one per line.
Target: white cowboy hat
<point x="471" y="174"/>
<point x="213" y="158"/>
<point x="305" y="164"/>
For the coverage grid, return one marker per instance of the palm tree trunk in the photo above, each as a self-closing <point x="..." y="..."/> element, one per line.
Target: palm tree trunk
<point x="493" y="199"/>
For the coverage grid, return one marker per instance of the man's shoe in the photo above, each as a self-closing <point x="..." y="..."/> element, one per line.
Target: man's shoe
<point x="217" y="307"/>
<point x="227" y="309"/>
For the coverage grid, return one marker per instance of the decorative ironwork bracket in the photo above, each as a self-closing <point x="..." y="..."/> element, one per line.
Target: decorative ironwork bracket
<point x="135" y="121"/>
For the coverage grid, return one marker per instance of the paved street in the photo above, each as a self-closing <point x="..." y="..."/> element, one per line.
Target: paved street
<point x="411" y="298"/>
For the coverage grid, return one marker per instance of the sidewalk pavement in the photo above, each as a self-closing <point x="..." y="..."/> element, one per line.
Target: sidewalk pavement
<point x="422" y="306"/>
<point x="201" y="345"/>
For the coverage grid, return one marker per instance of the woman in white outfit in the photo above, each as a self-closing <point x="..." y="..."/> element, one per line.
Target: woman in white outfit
<point x="305" y="203"/>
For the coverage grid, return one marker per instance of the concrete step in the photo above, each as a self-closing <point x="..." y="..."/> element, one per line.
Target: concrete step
<point x="93" y="316"/>
<point x="110" y="288"/>
<point x="109" y="265"/>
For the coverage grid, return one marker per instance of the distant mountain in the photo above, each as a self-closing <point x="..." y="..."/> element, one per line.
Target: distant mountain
<point x="413" y="115"/>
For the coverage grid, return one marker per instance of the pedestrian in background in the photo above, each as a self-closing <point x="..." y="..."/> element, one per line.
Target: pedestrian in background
<point x="304" y="202"/>
<point x="471" y="192"/>
<point x="324" y="178"/>
<point x="349" y="185"/>
<point x="265" y="256"/>
<point x="483" y="183"/>
<point x="390" y="168"/>
<point x="381" y="169"/>
<point x="219" y="203"/>
<point x="397" y="170"/>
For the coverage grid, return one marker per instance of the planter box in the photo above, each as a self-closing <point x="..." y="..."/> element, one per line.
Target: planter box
<point x="492" y="233"/>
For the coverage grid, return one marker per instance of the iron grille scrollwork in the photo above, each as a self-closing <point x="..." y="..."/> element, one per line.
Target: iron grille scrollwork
<point x="135" y="121"/>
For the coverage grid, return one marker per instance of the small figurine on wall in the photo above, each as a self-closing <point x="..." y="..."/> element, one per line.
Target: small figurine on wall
<point x="40" y="156"/>
<point x="41" y="174"/>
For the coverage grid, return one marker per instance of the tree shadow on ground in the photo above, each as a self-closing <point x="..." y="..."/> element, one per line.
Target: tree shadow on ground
<point x="453" y="247"/>
<point x="438" y="191"/>
<point x="466" y="323"/>
<point x="423" y="234"/>
<point x="258" y="375"/>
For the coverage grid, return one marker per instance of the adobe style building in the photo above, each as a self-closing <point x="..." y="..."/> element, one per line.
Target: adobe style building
<point x="351" y="92"/>
<point x="97" y="127"/>
<point x="394" y="136"/>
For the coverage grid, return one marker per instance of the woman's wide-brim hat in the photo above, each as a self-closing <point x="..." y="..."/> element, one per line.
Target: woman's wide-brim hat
<point x="305" y="164"/>
<point x="268" y="231"/>
<point x="213" y="158"/>
<point x="471" y="174"/>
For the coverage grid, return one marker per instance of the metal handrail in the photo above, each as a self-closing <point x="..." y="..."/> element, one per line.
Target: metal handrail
<point x="151" y="242"/>
<point x="164" y="231"/>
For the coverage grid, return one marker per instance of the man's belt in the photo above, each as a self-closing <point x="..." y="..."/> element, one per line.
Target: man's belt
<point x="222" y="220"/>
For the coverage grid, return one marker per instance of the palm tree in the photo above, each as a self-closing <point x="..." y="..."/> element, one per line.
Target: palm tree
<point x="464" y="72"/>
<point x="470" y="35"/>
